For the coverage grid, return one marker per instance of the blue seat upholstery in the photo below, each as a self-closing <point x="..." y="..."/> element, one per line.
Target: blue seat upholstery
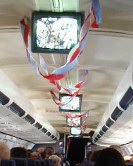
<point x="20" y="161"/>
<point x="31" y="162"/>
<point x="38" y="163"/>
<point x="49" y="162"/>
<point x="8" y="163"/>
<point x="43" y="163"/>
<point x="130" y="164"/>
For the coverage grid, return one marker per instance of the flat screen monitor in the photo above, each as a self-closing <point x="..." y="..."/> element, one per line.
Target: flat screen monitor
<point x="55" y="32"/>
<point x="71" y="104"/>
<point x="75" y="131"/>
<point x="73" y="121"/>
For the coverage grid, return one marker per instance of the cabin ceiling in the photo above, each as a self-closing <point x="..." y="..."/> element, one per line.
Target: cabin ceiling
<point x="106" y="56"/>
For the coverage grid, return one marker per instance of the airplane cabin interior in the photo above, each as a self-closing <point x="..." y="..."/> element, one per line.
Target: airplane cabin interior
<point x="66" y="72"/>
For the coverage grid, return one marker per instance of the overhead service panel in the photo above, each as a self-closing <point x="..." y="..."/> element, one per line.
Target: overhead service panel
<point x="117" y="119"/>
<point x="15" y="102"/>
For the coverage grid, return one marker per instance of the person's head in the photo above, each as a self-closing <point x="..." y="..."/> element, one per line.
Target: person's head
<point x="42" y="152"/>
<point x="116" y="147"/>
<point x="49" y="151"/>
<point x="19" y="152"/>
<point x="29" y="152"/>
<point x="4" y="151"/>
<point x="35" y="155"/>
<point x="94" y="155"/>
<point x="110" y="157"/>
<point x="62" y="156"/>
<point x="56" y="160"/>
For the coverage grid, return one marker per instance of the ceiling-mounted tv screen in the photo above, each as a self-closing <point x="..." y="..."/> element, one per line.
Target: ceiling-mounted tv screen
<point x="73" y="121"/>
<point x="75" y="131"/>
<point x="55" y="32"/>
<point x="71" y="104"/>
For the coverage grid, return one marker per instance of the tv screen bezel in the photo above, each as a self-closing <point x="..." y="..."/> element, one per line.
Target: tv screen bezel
<point x="67" y="110"/>
<point x="42" y="14"/>
<point x="73" y="118"/>
<point x="75" y="134"/>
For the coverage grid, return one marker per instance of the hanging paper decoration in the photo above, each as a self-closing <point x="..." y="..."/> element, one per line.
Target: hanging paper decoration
<point x="71" y="91"/>
<point x="57" y="73"/>
<point x="85" y="118"/>
<point x="76" y="115"/>
<point x="97" y="11"/>
<point x="72" y="59"/>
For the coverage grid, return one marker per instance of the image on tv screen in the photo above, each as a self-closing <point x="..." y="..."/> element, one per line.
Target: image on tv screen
<point x="55" y="32"/>
<point x="75" y="131"/>
<point x="72" y="104"/>
<point x="73" y="121"/>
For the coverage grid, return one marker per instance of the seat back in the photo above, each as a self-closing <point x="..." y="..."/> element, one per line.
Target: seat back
<point x="31" y="162"/>
<point x="7" y="163"/>
<point x="20" y="161"/>
<point x="38" y="163"/>
<point x="43" y="163"/>
<point x="130" y="163"/>
<point x="49" y="162"/>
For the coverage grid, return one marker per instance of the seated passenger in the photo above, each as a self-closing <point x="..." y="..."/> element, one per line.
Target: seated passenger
<point x="110" y="157"/>
<point x="49" y="152"/>
<point x="94" y="156"/>
<point x="4" y="151"/>
<point x="35" y="155"/>
<point x="29" y="152"/>
<point x="64" y="162"/>
<point x="116" y="147"/>
<point x="41" y="152"/>
<point x="56" y="160"/>
<point x="19" y="152"/>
